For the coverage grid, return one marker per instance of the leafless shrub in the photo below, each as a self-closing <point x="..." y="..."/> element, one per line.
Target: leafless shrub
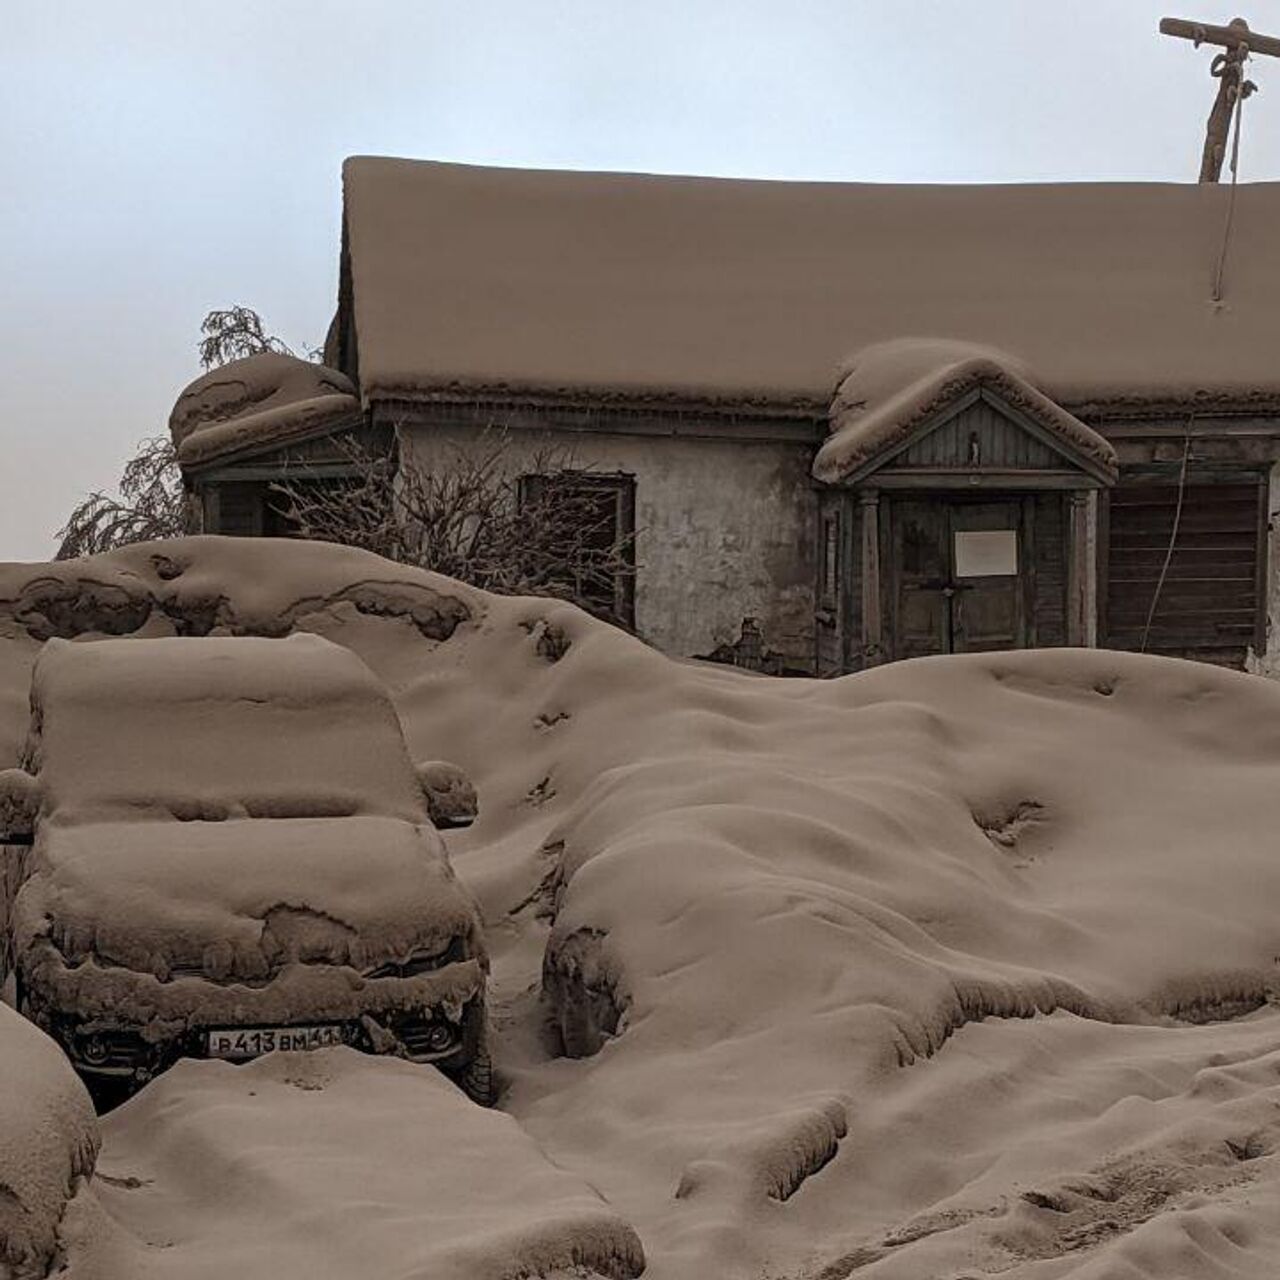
<point x="547" y="527"/>
<point x="151" y="505"/>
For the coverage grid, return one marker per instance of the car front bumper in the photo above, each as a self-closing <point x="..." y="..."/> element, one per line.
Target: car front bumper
<point x="421" y="1036"/>
<point x="108" y="1036"/>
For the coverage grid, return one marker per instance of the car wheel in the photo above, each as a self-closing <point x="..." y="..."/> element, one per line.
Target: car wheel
<point x="20" y="1001"/>
<point x="476" y="1078"/>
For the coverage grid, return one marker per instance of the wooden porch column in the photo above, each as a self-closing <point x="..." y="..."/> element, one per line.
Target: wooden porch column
<point x="872" y="647"/>
<point x="1081" y="572"/>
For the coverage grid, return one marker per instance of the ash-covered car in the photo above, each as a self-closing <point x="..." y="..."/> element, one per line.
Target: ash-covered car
<point x="218" y="847"/>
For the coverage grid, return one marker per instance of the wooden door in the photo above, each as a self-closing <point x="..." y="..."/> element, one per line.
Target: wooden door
<point x="956" y="576"/>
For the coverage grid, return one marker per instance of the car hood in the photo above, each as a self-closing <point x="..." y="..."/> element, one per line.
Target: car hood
<point x="237" y="901"/>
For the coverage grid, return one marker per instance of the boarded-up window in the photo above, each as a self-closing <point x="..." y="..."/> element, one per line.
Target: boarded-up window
<point x="601" y="576"/>
<point x="1208" y="606"/>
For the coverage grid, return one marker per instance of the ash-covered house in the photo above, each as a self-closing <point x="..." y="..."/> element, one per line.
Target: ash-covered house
<point x="869" y="422"/>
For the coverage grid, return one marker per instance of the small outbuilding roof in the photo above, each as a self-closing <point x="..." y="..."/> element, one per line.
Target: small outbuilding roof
<point x="463" y="281"/>
<point x="260" y="403"/>
<point x="891" y="391"/>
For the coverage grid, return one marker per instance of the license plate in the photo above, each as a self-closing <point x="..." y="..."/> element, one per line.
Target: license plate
<point x="255" y="1041"/>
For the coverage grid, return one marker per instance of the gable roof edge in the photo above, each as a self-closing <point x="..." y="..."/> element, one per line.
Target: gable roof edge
<point x="865" y="437"/>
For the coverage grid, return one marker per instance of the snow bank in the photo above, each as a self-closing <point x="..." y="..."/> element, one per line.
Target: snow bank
<point x="805" y="888"/>
<point x="1068" y="1149"/>
<point x="208" y="586"/>
<point x="331" y="1164"/>
<point x="261" y="402"/>
<point x="48" y="1143"/>
<point x="765" y="911"/>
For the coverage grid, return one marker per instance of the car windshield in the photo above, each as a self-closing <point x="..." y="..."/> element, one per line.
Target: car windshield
<point x="312" y="744"/>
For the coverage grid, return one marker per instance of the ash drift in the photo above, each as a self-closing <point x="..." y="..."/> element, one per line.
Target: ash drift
<point x="994" y="936"/>
<point x="232" y="854"/>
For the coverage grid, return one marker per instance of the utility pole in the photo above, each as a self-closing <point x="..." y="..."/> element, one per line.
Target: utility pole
<point x="1228" y="69"/>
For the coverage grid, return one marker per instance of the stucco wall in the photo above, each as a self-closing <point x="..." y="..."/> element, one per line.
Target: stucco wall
<point x="724" y="530"/>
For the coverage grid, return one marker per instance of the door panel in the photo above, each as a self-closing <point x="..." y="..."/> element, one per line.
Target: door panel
<point x="921" y="615"/>
<point x="988" y="602"/>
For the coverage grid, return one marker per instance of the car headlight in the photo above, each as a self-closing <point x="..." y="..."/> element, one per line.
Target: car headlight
<point x="114" y="1049"/>
<point x="94" y="1050"/>
<point x="440" y="1036"/>
<point x="421" y="961"/>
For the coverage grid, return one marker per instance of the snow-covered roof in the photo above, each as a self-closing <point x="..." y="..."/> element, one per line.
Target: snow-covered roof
<point x="295" y="726"/>
<point x="515" y="283"/>
<point x="259" y="403"/>
<point x="890" y="391"/>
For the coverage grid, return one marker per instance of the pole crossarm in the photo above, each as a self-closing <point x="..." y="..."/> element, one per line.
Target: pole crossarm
<point x="1228" y="37"/>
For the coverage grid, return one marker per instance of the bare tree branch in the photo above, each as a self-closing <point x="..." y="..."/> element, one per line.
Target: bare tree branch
<point x="548" y="527"/>
<point x="151" y="505"/>
<point x="151" y="502"/>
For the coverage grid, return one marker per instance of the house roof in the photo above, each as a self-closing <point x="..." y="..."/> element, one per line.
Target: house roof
<point x="891" y="391"/>
<point x="258" y="403"/>
<point x="467" y="281"/>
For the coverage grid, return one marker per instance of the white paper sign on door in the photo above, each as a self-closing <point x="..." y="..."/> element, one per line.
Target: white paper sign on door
<point x="986" y="553"/>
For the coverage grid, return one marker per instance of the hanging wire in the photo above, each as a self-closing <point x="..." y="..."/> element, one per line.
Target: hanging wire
<point x="1173" y="534"/>
<point x="1243" y="88"/>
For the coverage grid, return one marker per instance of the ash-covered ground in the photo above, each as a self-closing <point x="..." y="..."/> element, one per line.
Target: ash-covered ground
<point x="958" y="967"/>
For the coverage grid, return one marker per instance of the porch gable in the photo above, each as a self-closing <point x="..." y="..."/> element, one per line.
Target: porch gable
<point x="981" y="440"/>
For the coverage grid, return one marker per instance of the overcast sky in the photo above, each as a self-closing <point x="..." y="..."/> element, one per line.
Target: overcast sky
<point x="165" y="157"/>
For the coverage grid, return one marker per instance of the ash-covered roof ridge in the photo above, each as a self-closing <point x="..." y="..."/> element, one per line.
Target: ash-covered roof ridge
<point x="645" y="289"/>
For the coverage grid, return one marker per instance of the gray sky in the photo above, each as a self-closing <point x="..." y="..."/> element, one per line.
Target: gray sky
<point x="164" y="157"/>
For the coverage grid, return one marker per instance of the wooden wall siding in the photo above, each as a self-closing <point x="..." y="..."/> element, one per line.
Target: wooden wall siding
<point x="1049" y="586"/>
<point x="1001" y="444"/>
<point x="1210" y="606"/>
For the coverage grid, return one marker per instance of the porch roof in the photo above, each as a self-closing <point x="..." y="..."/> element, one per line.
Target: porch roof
<point x="261" y="402"/>
<point x="891" y="391"/>
<point x="464" y="281"/>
